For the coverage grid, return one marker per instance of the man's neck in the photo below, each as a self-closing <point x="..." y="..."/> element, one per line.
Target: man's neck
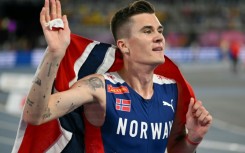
<point x="139" y="80"/>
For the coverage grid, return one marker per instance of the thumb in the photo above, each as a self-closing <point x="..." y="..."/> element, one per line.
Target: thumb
<point x="190" y="107"/>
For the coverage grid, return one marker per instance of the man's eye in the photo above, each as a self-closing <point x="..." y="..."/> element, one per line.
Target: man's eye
<point x="160" y="31"/>
<point x="147" y="31"/>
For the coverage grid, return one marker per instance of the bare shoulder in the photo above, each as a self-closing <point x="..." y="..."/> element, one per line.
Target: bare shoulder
<point x="92" y="81"/>
<point x="93" y="85"/>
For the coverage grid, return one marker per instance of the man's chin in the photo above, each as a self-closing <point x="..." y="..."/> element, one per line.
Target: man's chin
<point x="161" y="61"/>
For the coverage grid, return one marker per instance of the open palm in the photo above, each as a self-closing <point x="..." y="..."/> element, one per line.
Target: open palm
<point x="58" y="39"/>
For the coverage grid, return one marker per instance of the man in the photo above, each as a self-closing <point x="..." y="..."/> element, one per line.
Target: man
<point x="134" y="109"/>
<point x="234" y="55"/>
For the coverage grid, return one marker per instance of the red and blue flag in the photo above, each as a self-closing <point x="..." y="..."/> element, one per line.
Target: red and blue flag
<point x="84" y="57"/>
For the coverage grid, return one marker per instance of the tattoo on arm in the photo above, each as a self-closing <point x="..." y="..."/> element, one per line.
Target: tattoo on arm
<point x="29" y="102"/>
<point x="38" y="81"/>
<point x="95" y="82"/>
<point x="47" y="113"/>
<point x="49" y="69"/>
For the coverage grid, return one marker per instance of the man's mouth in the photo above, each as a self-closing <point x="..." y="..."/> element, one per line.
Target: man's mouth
<point x="158" y="49"/>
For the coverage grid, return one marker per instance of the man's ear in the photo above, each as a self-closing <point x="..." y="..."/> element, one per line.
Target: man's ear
<point x="121" y="44"/>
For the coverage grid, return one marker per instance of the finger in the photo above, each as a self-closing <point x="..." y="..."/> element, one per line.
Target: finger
<point x="47" y="16"/>
<point x="42" y="17"/>
<point x="203" y="114"/>
<point x="66" y="24"/>
<point x="207" y="120"/>
<point x="210" y="119"/>
<point x="58" y="8"/>
<point x="53" y="10"/>
<point x="197" y="104"/>
<point x="197" y="113"/>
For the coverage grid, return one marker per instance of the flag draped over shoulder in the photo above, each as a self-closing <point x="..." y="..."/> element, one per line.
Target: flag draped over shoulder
<point x="84" y="57"/>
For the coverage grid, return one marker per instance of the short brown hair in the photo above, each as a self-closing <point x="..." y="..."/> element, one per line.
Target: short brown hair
<point x="123" y="15"/>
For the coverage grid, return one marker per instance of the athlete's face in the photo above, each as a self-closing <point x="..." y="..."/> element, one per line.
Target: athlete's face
<point x="146" y="43"/>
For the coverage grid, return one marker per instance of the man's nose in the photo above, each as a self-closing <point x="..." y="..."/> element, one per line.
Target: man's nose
<point x="159" y="38"/>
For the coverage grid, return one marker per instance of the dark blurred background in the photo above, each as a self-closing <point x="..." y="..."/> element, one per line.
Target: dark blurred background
<point x="186" y="22"/>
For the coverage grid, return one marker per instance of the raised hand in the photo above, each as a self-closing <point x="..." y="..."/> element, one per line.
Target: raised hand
<point x="57" y="39"/>
<point x="198" y="120"/>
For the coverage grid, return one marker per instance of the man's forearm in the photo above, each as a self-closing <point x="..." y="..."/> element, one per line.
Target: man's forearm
<point x="36" y="107"/>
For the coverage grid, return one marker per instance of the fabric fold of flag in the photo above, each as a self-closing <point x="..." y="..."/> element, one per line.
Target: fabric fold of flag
<point x="84" y="57"/>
